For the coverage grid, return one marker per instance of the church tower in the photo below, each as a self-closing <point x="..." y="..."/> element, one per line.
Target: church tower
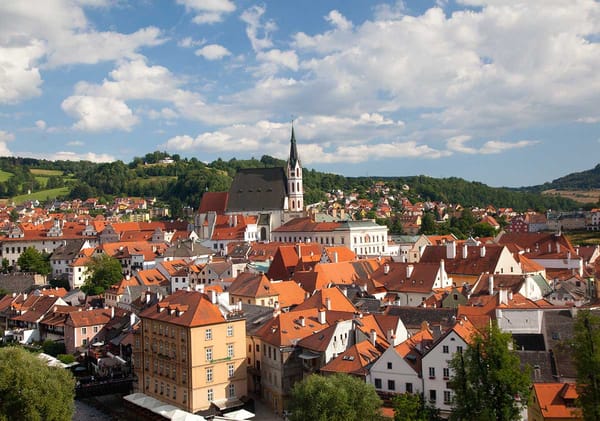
<point x="294" y="176"/>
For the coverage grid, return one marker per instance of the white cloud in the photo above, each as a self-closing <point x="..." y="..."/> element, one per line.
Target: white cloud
<point x="457" y="144"/>
<point x="272" y="61"/>
<point x="588" y="120"/>
<point x="6" y="136"/>
<point x="189" y="42"/>
<point x="71" y="156"/>
<point x="163" y="114"/>
<point x="208" y="11"/>
<point x="258" y="33"/>
<point x="96" y="113"/>
<point x="338" y="20"/>
<point x="40" y="124"/>
<point x="213" y="52"/>
<point x="75" y="143"/>
<point x="56" y="33"/>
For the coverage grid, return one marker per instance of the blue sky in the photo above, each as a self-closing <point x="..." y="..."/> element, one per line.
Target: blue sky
<point x="506" y="92"/>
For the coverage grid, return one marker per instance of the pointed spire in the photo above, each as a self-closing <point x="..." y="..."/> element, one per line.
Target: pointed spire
<point x="293" y="151"/>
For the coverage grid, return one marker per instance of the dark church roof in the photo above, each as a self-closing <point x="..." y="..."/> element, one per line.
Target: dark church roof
<point x="256" y="189"/>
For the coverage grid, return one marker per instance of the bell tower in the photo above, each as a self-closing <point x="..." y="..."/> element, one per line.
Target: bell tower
<point x="294" y="176"/>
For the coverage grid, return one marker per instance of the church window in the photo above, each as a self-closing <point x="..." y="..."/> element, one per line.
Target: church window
<point x="292" y="190"/>
<point x="298" y="187"/>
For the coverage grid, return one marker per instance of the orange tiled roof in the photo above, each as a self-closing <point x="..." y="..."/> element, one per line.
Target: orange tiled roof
<point x="288" y="328"/>
<point x="355" y="360"/>
<point x="336" y="299"/>
<point x="556" y="400"/>
<point x="185" y="308"/>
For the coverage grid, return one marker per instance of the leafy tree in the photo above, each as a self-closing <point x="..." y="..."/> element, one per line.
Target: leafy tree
<point x="586" y="346"/>
<point x="481" y="229"/>
<point x="32" y="391"/>
<point x="487" y="379"/>
<point x="32" y="260"/>
<point x="428" y="224"/>
<point x="412" y="407"/>
<point x="338" y="397"/>
<point x="104" y="271"/>
<point x="53" y="348"/>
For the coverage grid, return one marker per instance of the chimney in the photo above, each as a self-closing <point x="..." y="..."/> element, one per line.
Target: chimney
<point x="373" y="337"/>
<point x="328" y="303"/>
<point x="147" y="297"/>
<point x="345" y="292"/>
<point x="491" y="284"/>
<point x="301" y="321"/>
<point x="335" y="257"/>
<point x="322" y="319"/>
<point x="112" y="312"/>
<point x="213" y="296"/>
<point x="465" y="251"/>
<point x="235" y="220"/>
<point x="409" y="270"/>
<point x="557" y="247"/>
<point x="390" y="337"/>
<point x="386" y="269"/>
<point x="568" y="255"/>
<point x="450" y="250"/>
<point x="482" y="251"/>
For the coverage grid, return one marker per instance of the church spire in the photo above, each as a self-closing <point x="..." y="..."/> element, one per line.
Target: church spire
<point x="293" y="151"/>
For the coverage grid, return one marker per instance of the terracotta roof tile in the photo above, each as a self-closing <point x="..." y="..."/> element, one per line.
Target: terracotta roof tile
<point x="185" y="308"/>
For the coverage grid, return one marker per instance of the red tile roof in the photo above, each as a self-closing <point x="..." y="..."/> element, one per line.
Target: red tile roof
<point x="213" y="201"/>
<point x="185" y="308"/>
<point x="556" y="400"/>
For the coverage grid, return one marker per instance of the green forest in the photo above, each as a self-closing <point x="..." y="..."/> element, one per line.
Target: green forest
<point x="183" y="182"/>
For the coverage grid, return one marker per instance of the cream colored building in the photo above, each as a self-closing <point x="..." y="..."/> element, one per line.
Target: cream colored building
<point x="189" y="354"/>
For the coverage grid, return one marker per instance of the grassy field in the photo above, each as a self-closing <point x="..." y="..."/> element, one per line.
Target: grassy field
<point x="41" y="195"/>
<point x="45" y="173"/>
<point x="5" y="175"/>
<point x="584" y="238"/>
<point x="581" y="196"/>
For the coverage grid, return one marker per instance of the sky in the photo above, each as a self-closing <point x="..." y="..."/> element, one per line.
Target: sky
<point x="506" y="92"/>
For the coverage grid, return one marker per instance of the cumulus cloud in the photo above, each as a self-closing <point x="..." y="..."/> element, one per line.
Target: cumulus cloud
<point x="99" y="113"/>
<point x="40" y="124"/>
<point x="213" y="52"/>
<point x="6" y="136"/>
<point x="54" y="34"/>
<point x="338" y="20"/>
<point x="189" y="42"/>
<point x="208" y="11"/>
<point x="75" y="143"/>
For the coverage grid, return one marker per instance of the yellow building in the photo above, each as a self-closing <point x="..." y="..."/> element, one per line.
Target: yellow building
<point x="189" y="354"/>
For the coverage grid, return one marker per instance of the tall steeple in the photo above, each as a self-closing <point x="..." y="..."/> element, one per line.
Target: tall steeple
<point x="294" y="175"/>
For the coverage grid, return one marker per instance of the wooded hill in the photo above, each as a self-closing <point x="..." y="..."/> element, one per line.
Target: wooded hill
<point x="584" y="180"/>
<point x="185" y="180"/>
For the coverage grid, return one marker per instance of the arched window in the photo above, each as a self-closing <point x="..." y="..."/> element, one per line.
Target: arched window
<point x="263" y="234"/>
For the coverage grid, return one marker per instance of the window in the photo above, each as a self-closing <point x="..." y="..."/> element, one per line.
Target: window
<point x="230" y="350"/>
<point x="231" y="390"/>
<point x="459" y="349"/>
<point x="377" y="383"/>
<point x="391" y="385"/>
<point x="209" y="355"/>
<point x="209" y="375"/>
<point x="184" y="377"/>
<point x="446" y="373"/>
<point x="83" y="330"/>
<point x="230" y="330"/>
<point x="389" y="365"/>
<point x="432" y="395"/>
<point x="445" y="349"/>
<point x="409" y="388"/>
<point x="447" y="397"/>
<point x="209" y="395"/>
<point x="174" y="392"/>
<point x="95" y="329"/>
<point x="230" y="370"/>
<point x="84" y="342"/>
<point x="208" y="334"/>
<point x="184" y="396"/>
<point x="431" y="372"/>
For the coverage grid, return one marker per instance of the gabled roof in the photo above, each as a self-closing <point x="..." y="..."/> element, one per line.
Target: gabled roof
<point x="413" y="317"/>
<point x="91" y="317"/>
<point x="306" y="224"/>
<point x="287" y="329"/>
<point x="394" y="276"/>
<point x="213" y="202"/>
<point x="151" y="277"/>
<point x="249" y="284"/>
<point x="556" y="400"/>
<point x="356" y="360"/>
<point x="289" y="292"/>
<point x="473" y="264"/>
<point x="341" y="273"/>
<point x="258" y="189"/>
<point x="287" y="257"/>
<point x="185" y="308"/>
<point x="329" y="298"/>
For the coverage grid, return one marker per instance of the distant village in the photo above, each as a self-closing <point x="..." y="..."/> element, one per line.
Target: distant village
<point x="256" y="290"/>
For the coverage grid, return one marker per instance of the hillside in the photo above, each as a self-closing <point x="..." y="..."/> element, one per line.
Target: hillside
<point x="183" y="182"/>
<point x="584" y="180"/>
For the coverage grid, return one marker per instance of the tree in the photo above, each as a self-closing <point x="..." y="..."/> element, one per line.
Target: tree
<point x="33" y="391"/>
<point x="32" y="260"/>
<point x="487" y="379"/>
<point x="412" y="407"/>
<point x="428" y="224"/>
<point x="104" y="271"/>
<point x="586" y="346"/>
<point x="338" y="397"/>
